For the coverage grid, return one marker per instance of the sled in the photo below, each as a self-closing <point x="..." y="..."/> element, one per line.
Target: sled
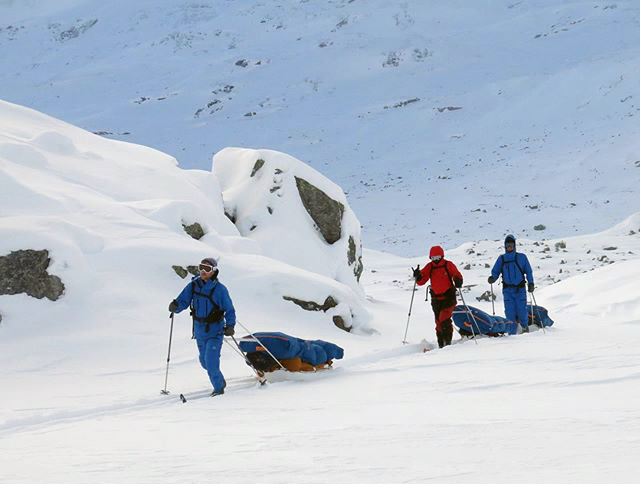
<point x="486" y="324"/>
<point x="268" y="352"/>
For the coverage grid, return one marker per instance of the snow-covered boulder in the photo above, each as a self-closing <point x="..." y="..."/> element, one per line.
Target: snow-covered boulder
<point x="295" y="214"/>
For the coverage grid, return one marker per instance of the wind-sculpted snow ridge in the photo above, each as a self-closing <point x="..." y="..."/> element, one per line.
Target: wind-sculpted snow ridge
<point x="454" y="121"/>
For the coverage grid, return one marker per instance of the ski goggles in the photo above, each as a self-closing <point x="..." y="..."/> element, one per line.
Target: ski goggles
<point x="510" y="246"/>
<point x="436" y="258"/>
<point x="205" y="268"/>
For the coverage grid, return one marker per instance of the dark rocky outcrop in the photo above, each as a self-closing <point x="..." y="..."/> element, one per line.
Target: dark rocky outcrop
<point x="351" y="259"/>
<point x="329" y="303"/>
<point x="339" y="322"/>
<point x="193" y="270"/>
<point x="25" y="271"/>
<point x="194" y="230"/>
<point x="231" y="217"/>
<point x="181" y="271"/>
<point x="259" y="164"/>
<point x="486" y="296"/>
<point x="324" y="210"/>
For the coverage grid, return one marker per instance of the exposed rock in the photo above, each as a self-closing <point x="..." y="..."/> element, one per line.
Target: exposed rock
<point x="259" y="163"/>
<point x="324" y="210"/>
<point x="181" y="271"/>
<point x="610" y="248"/>
<point x="194" y="230"/>
<point x="402" y="104"/>
<point x="448" y="108"/>
<point x="486" y="296"/>
<point x="467" y="267"/>
<point x="539" y="227"/>
<point x="351" y="259"/>
<point x="25" y="271"/>
<point x="193" y="270"/>
<point x="351" y="252"/>
<point x="560" y="245"/>
<point x="231" y="217"/>
<point x="329" y="303"/>
<point x="339" y="322"/>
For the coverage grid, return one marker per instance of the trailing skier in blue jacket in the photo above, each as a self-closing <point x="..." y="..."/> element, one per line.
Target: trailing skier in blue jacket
<point x="513" y="266"/>
<point x="213" y="318"/>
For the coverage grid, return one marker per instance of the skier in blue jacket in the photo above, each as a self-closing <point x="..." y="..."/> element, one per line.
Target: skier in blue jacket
<point x="213" y="318"/>
<point x="514" y="266"/>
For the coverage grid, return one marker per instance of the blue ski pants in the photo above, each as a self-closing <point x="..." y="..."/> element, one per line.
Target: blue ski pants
<point x="209" y="346"/>
<point x="515" y="305"/>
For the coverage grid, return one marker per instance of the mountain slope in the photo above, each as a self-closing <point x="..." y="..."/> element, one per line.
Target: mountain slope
<point x="447" y="122"/>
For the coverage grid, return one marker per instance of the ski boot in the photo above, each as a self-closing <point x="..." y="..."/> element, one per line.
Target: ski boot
<point x="221" y="392"/>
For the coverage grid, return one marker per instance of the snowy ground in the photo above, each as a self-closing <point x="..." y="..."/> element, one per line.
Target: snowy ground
<point x="558" y="407"/>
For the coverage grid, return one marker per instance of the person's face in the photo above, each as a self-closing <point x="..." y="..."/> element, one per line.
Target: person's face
<point x="206" y="271"/>
<point x="436" y="259"/>
<point x="510" y="246"/>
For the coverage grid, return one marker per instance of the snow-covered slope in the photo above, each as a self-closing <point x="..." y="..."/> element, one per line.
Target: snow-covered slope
<point x="444" y="122"/>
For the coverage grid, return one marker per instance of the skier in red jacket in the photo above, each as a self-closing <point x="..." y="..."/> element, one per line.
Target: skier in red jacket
<point x="445" y="278"/>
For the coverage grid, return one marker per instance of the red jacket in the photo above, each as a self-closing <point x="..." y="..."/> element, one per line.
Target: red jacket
<point x="440" y="275"/>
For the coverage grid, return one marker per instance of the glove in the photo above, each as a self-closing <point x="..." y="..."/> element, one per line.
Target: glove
<point x="531" y="287"/>
<point x="173" y="306"/>
<point x="417" y="275"/>
<point x="491" y="280"/>
<point x="229" y="331"/>
<point x="458" y="283"/>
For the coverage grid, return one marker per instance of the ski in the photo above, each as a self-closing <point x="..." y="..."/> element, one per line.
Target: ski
<point x="236" y="384"/>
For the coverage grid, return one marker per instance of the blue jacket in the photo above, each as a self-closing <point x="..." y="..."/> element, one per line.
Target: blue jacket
<point x="513" y="266"/>
<point x="200" y="294"/>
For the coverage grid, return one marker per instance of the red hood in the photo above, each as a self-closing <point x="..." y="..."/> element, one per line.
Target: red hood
<point x="436" y="250"/>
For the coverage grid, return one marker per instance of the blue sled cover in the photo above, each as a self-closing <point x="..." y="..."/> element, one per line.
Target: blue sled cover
<point x="495" y="325"/>
<point x="284" y="347"/>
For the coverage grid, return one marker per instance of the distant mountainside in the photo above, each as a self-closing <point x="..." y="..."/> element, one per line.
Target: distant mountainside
<point x="443" y="122"/>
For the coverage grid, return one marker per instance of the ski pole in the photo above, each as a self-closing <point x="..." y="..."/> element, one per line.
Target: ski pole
<point x="493" y="307"/>
<point x="473" y="331"/>
<point x="536" y="305"/>
<point x="166" y="375"/>
<point x="531" y="310"/>
<point x="260" y="343"/>
<point x="413" y="293"/>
